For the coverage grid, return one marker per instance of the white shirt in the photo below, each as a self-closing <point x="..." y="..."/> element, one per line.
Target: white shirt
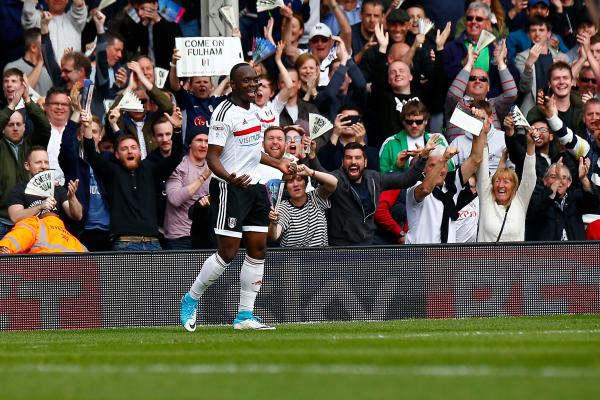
<point x="269" y="114"/>
<point x="53" y="150"/>
<point x="425" y="218"/>
<point x="496" y="145"/>
<point x="238" y="131"/>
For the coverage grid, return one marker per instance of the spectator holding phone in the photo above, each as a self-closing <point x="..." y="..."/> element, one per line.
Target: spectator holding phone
<point x="534" y="63"/>
<point x="560" y="89"/>
<point x="348" y="128"/>
<point x="398" y="150"/>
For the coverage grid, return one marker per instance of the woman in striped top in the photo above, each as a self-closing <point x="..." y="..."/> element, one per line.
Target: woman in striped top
<point x="300" y="221"/>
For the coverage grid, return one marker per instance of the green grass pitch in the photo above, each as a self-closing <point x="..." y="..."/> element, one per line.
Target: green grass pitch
<point x="495" y="358"/>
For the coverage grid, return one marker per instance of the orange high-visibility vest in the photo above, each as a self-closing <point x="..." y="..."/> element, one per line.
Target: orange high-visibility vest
<point x="41" y="235"/>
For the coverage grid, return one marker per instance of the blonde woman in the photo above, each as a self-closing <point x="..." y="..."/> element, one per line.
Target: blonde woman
<point x="503" y="201"/>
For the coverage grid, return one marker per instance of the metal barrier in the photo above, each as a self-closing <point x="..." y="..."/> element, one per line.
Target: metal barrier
<point x="375" y="283"/>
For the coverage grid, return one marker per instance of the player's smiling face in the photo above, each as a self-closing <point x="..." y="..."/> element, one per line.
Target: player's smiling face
<point x="244" y="85"/>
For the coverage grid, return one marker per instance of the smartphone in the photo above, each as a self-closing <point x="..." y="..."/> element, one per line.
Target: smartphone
<point x="548" y="91"/>
<point x="354" y="119"/>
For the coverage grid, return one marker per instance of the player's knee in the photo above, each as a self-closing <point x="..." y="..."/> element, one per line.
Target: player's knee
<point x="227" y="255"/>
<point x="258" y="253"/>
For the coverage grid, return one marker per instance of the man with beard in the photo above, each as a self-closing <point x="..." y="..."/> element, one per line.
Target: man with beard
<point x="351" y="217"/>
<point x="240" y="205"/>
<point x="131" y="186"/>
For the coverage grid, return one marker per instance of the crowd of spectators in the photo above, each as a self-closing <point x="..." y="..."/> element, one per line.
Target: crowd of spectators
<point x="393" y="168"/>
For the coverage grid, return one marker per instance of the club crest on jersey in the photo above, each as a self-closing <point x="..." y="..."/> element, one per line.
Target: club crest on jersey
<point x="231" y="222"/>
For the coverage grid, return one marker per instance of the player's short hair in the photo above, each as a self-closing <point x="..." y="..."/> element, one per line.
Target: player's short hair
<point x="234" y="70"/>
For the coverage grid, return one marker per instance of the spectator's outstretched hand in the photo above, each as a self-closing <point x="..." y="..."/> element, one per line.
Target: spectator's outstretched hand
<point x="383" y="38"/>
<point x="176" y="119"/>
<point x="73" y="185"/>
<point x="584" y="167"/>
<point x="442" y="37"/>
<point x="509" y="125"/>
<point x="546" y="104"/>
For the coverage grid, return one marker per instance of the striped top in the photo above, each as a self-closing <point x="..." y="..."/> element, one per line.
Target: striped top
<point x="304" y="226"/>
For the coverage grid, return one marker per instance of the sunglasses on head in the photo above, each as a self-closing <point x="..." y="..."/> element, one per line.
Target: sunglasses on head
<point x="411" y="122"/>
<point x="479" y="78"/>
<point x="471" y="18"/>
<point x="587" y="80"/>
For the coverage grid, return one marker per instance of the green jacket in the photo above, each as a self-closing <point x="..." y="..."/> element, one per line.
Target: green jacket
<point x="397" y="143"/>
<point x="11" y="167"/>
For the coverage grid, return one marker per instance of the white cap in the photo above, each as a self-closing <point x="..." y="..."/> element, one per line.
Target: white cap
<point x="320" y="29"/>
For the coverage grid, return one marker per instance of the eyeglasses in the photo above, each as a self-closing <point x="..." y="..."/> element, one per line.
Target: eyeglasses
<point x="470" y="18"/>
<point x="319" y="39"/>
<point x="587" y="80"/>
<point x="541" y="130"/>
<point x="479" y="78"/>
<point x="417" y="122"/>
<point x="296" y="139"/>
<point x="59" y="104"/>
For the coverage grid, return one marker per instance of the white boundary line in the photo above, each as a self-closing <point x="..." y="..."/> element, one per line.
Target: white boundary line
<point x="316" y="369"/>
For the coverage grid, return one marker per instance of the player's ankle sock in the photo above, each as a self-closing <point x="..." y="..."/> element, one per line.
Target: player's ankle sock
<point x="211" y="270"/>
<point x="250" y="281"/>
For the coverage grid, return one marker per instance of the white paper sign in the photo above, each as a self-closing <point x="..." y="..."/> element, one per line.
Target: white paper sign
<point x="228" y="16"/>
<point x="266" y="5"/>
<point x="160" y="77"/>
<point x="208" y="56"/>
<point x="318" y="125"/>
<point x="466" y="121"/>
<point x="42" y="184"/>
<point x="485" y="38"/>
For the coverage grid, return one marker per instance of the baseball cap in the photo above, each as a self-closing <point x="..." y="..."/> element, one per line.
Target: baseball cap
<point x="399" y="15"/>
<point x="319" y="29"/>
<point x="534" y="2"/>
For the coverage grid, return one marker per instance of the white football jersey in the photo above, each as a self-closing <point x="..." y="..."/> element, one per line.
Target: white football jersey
<point x="239" y="132"/>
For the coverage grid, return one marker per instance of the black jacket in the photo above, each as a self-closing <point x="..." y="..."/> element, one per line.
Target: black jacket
<point x="347" y="223"/>
<point x="132" y="194"/>
<point x="547" y="217"/>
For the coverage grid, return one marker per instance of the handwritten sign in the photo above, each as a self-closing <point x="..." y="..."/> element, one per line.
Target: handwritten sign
<point x="208" y="56"/>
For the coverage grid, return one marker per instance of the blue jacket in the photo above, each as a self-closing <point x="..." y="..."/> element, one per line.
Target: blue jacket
<point x="75" y="167"/>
